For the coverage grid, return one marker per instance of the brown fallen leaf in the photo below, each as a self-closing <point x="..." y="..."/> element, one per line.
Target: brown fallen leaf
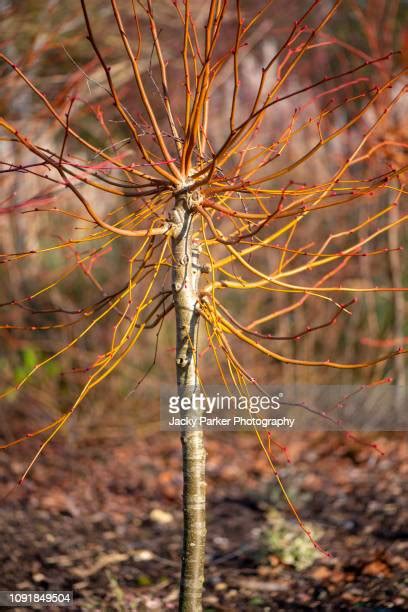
<point x="102" y="562"/>
<point x="160" y="516"/>
<point x="376" y="568"/>
<point x="257" y="585"/>
<point x="321" y="572"/>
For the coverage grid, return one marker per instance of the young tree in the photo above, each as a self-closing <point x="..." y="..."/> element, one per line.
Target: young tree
<point x="219" y="174"/>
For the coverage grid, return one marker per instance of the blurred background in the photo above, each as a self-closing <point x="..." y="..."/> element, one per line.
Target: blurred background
<point x="112" y="456"/>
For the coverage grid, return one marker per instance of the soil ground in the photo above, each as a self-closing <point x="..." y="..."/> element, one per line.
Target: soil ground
<point x="102" y="518"/>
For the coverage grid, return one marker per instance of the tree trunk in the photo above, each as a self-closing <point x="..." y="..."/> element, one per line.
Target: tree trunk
<point x="186" y="274"/>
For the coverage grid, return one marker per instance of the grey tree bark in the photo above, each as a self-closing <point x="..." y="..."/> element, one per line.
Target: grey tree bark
<point x="186" y="274"/>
